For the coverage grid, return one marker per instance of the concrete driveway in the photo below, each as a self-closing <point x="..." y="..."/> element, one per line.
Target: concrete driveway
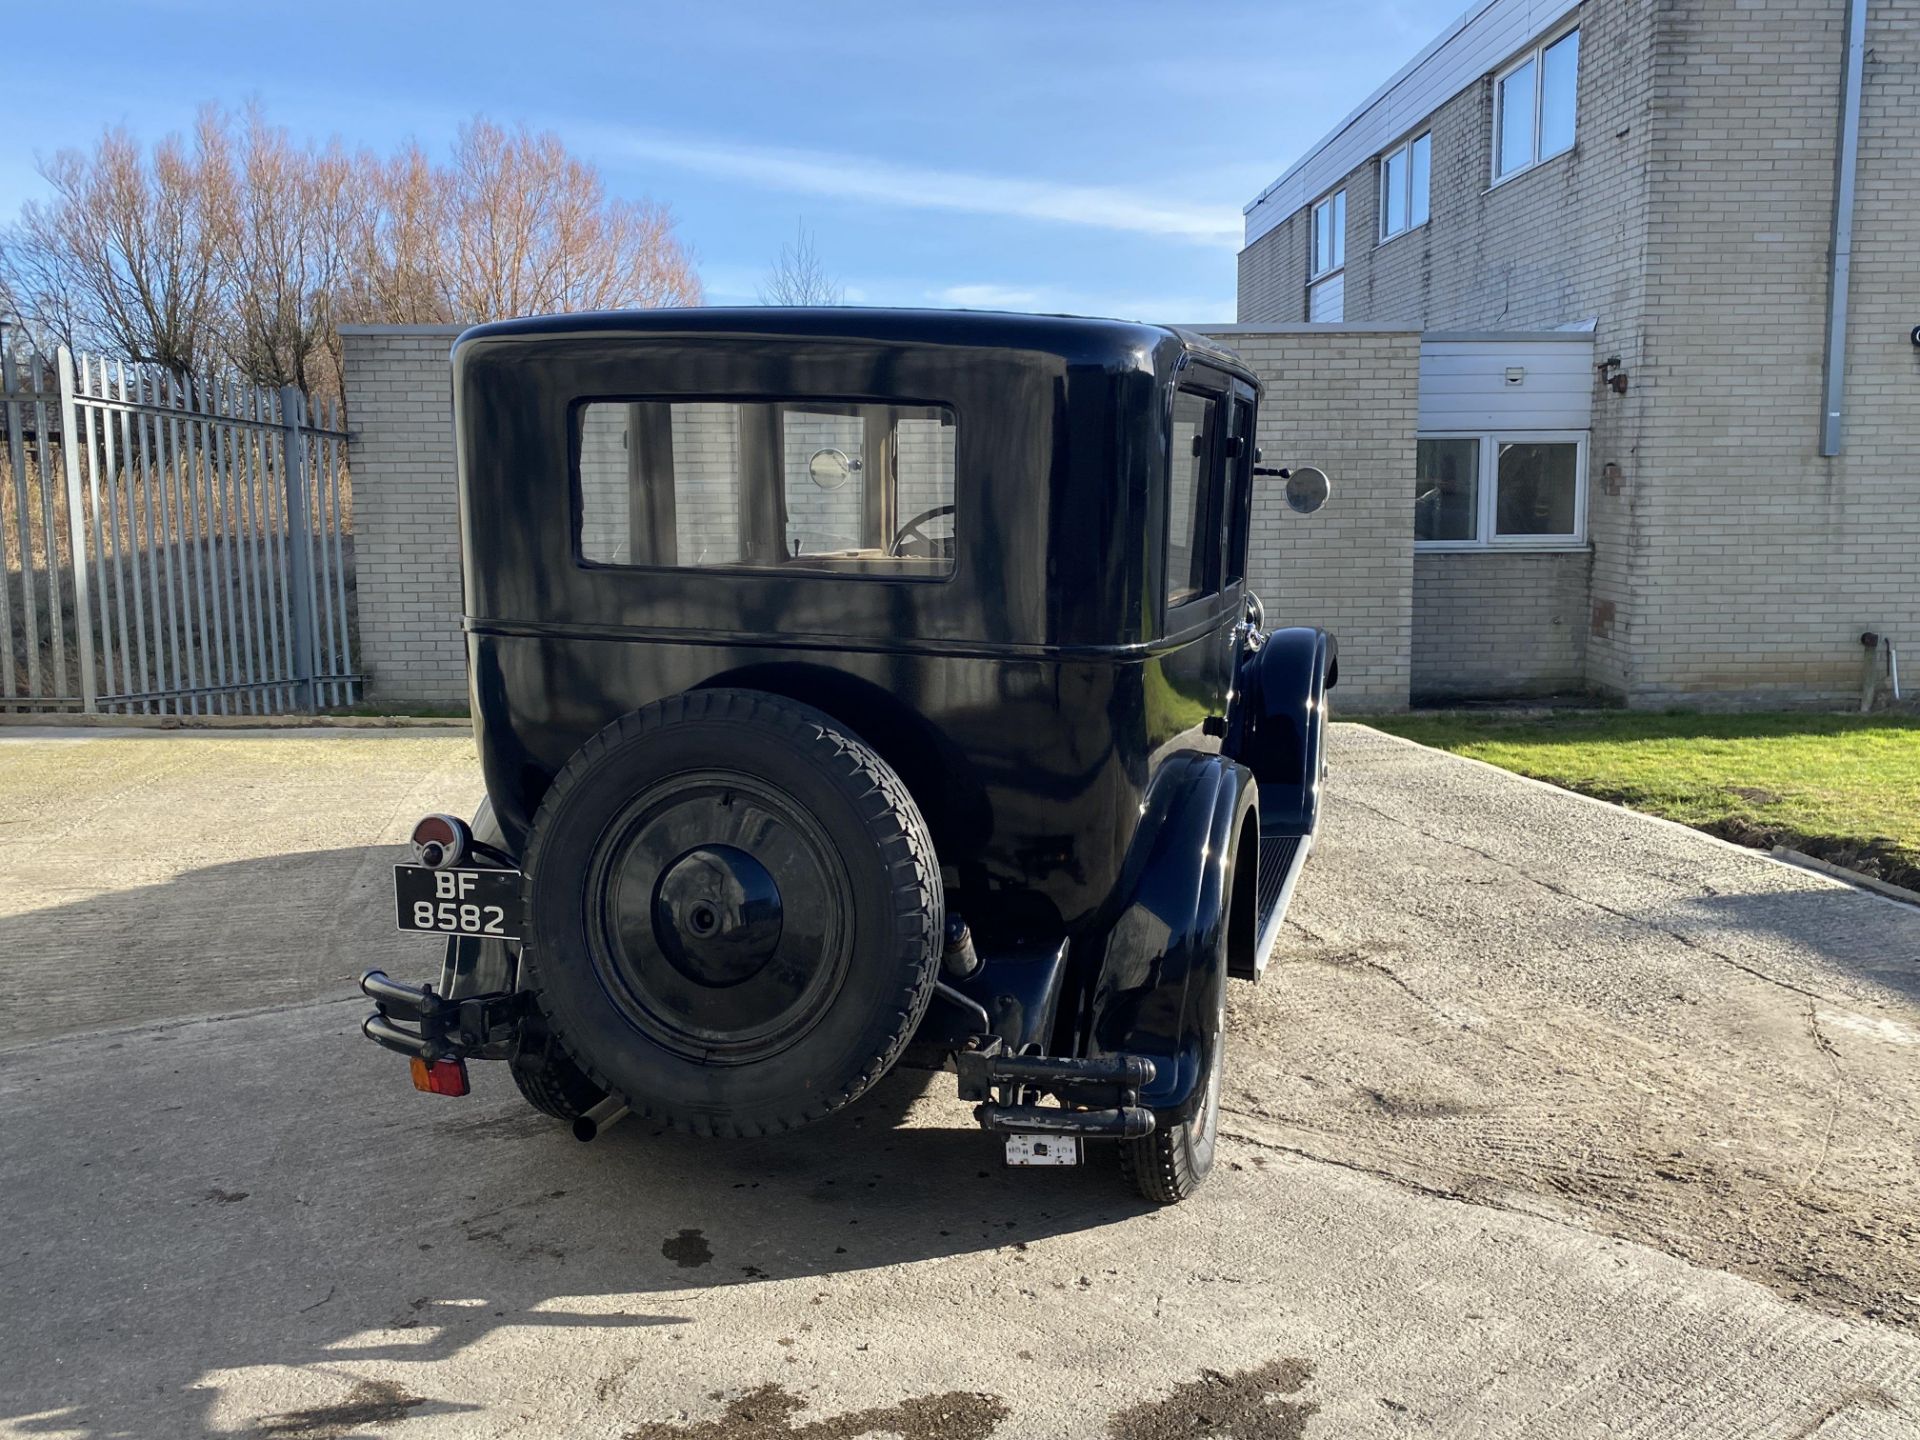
<point x="1548" y="1120"/>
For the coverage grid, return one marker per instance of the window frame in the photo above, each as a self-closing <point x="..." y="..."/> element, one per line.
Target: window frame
<point x="1536" y="54"/>
<point x="578" y="406"/>
<point x="1404" y="148"/>
<point x="1211" y="521"/>
<point x="1487" y="498"/>
<point x="1336" y="202"/>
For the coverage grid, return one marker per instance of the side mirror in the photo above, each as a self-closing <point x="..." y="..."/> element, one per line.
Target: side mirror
<point x="1307" y="489"/>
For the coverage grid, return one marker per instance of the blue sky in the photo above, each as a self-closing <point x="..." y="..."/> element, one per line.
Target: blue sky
<point x="1056" y="156"/>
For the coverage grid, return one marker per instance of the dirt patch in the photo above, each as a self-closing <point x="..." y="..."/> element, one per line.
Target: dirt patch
<point x="689" y="1249"/>
<point x="1245" y="1405"/>
<point x="1877" y="859"/>
<point x="1657" y="1080"/>
<point x="769" y="1412"/>
<point x="372" y="1404"/>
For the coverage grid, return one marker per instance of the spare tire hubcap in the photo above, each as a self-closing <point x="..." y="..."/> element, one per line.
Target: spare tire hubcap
<point x="720" y="917"/>
<point x="716" y="915"/>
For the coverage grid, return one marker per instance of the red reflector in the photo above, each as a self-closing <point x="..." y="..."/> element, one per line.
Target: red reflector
<point x="439" y="1077"/>
<point x="434" y="830"/>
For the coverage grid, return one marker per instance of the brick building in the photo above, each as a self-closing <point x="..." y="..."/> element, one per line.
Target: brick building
<point x="1704" y="191"/>
<point x="1571" y="273"/>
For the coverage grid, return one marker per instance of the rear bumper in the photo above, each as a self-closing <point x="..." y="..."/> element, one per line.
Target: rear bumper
<point x="416" y="1021"/>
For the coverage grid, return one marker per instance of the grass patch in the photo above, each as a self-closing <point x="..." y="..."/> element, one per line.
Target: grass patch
<point x="1845" y="788"/>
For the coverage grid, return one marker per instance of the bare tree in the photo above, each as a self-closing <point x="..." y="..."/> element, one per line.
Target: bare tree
<point x="288" y="211"/>
<point x="126" y="255"/>
<point x="530" y="230"/>
<point x="799" y="276"/>
<point x="396" y="240"/>
<point x="247" y="247"/>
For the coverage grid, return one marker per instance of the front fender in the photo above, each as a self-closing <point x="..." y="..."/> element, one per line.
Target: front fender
<point x="1277" y="724"/>
<point x="1163" y="967"/>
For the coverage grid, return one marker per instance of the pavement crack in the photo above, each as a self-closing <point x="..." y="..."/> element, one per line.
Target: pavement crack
<point x="1832" y="1057"/>
<point x="321" y="1301"/>
<point x="1403" y="1182"/>
<point x="1396" y="978"/>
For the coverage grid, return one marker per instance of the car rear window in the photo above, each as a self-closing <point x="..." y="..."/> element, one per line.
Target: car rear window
<point x="836" y="488"/>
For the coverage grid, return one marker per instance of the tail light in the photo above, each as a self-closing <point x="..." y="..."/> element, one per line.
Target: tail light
<point x="439" y="1077"/>
<point x="441" y="842"/>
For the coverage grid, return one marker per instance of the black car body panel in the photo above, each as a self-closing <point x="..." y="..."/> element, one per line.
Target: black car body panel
<point x="1059" y="724"/>
<point x="1024" y="700"/>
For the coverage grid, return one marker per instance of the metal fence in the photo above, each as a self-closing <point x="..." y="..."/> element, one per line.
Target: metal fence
<point x="170" y="546"/>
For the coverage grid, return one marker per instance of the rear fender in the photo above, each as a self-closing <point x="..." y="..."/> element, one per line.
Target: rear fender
<point x="1277" y="724"/>
<point x="1163" y="967"/>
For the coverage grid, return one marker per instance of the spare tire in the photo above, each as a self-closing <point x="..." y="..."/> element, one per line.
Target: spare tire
<point x="733" y="913"/>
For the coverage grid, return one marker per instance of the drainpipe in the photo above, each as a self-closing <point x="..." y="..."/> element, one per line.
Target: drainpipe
<point x="1842" y="262"/>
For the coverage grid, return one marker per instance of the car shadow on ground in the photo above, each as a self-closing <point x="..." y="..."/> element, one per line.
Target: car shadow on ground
<point x="414" y="1238"/>
<point x="270" y="1194"/>
<point x="1802" y="937"/>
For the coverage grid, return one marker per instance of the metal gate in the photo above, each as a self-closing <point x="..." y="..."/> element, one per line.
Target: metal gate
<point x="170" y="546"/>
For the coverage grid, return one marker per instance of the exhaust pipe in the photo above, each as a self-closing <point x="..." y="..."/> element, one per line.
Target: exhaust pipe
<point x="601" y="1118"/>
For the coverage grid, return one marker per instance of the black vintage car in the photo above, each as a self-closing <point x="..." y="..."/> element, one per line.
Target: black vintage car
<point x="857" y="688"/>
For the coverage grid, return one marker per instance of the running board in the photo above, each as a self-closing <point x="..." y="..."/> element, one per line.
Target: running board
<point x="1282" y="857"/>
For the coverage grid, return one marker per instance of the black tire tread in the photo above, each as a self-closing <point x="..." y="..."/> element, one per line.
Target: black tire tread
<point x="549" y="1080"/>
<point x="908" y="851"/>
<point x="555" y="1086"/>
<point x="1158" y="1166"/>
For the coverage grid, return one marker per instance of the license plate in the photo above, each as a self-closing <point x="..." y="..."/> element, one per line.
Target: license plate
<point x="483" y="903"/>
<point x="1043" y="1149"/>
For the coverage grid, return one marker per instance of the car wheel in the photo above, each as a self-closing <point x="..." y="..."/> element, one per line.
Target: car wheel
<point x="1170" y="1164"/>
<point x="547" y="1079"/>
<point x="733" y="913"/>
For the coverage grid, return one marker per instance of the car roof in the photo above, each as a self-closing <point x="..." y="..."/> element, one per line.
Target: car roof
<point x="1076" y="339"/>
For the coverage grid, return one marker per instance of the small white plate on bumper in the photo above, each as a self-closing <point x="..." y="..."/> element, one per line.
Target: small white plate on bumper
<point x="1043" y="1149"/>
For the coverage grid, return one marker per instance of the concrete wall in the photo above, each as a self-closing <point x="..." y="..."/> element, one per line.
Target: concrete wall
<point x="405" y="519"/>
<point x="1761" y="561"/>
<point x="1731" y="563"/>
<point x="1493" y="623"/>
<point x="1344" y="399"/>
<point x="1556" y="245"/>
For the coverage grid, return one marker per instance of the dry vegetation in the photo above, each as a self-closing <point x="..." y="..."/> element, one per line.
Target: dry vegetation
<point x="242" y="249"/>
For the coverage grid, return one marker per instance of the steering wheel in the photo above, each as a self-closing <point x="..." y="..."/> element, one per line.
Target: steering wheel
<point x="912" y="531"/>
<point x="807" y="540"/>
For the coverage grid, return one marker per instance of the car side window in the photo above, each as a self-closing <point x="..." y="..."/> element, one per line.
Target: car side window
<point x="1239" y="490"/>
<point x="796" y="485"/>
<point x="1192" y="472"/>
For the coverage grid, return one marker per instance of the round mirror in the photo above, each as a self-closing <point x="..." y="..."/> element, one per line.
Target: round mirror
<point x="1307" y="489"/>
<point x="829" y="469"/>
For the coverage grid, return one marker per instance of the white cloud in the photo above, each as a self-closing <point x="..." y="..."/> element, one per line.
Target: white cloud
<point x="855" y="177"/>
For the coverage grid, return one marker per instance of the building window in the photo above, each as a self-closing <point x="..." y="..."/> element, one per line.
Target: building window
<point x="1500" y="490"/>
<point x="1533" y="106"/>
<point x="1404" y="173"/>
<point x="1327" y="288"/>
<point x="1330" y="234"/>
<point x="1446" y="489"/>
